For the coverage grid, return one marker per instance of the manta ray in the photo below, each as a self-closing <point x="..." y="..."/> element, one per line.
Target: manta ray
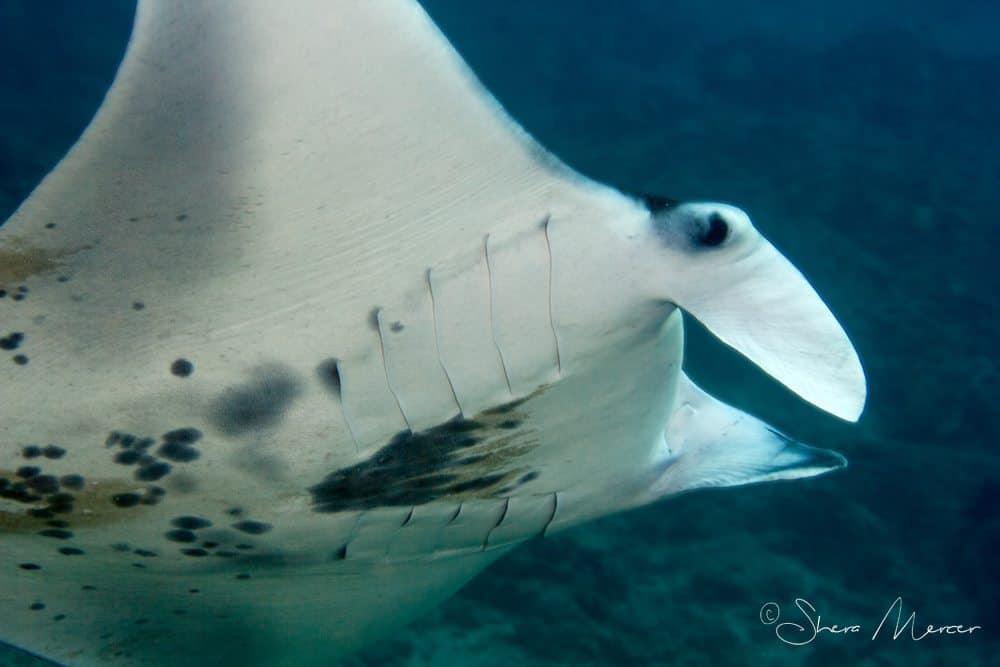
<point x="305" y="331"/>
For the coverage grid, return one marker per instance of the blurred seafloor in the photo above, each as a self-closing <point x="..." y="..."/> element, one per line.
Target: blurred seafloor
<point x="862" y="138"/>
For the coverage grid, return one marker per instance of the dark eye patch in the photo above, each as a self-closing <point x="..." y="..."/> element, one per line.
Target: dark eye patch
<point x="716" y="232"/>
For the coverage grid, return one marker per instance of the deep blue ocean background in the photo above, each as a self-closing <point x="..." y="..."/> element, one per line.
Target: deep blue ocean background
<point x="862" y="137"/>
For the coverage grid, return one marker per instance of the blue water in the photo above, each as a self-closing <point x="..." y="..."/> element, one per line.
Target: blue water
<point x="862" y="138"/>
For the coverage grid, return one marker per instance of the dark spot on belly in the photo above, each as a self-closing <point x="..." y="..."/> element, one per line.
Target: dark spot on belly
<point x="257" y="404"/>
<point x="126" y="499"/>
<point x="177" y="445"/>
<point x="182" y="368"/>
<point x="57" y="533"/>
<point x="61" y="503"/>
<point x="37" y="606"/>
<point x="180" y="535"/>
<point x="138" y="305"/>
<point x="31" y="452"/>
<point x="527" y="477"/>
<point x="44" y="484"/>
<point x="396" y="326"/>
<point x="196" y="552"/>
<point x="145" y="553"/>
<point x="17" y="491"/>
<point x="71" y="482"/>
<point x="178" y="452"/>
<point x="186" y="436"/>
<point x="53" y="452"/>
<point x="70" y="551"/>
<point x="153" y="471"/>
<point x="128" y="457"/>
<point x="29" y="566"/>
<point x="190" y="522"/>
<point x="12" y="341"/>
<point x="27" y="472"/>
<point x="60" y="508"/>
<point x="252" y="527"/>
<point x="20" y="359"/>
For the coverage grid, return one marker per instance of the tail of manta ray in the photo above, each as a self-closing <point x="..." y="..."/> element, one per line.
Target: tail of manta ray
<point x="385" y="337"/>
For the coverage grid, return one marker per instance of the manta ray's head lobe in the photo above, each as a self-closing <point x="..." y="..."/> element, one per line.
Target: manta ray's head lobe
<point x="708" y="259"/>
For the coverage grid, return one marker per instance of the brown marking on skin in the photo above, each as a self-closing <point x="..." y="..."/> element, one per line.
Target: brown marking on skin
<point x="457" y="460"/>
<point x="19" y="260"/>
<point x="497" y="455"/>
<point x="92" y="506"/>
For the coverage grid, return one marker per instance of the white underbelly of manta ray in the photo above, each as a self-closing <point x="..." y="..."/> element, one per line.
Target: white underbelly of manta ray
<point x="303" y="333"/>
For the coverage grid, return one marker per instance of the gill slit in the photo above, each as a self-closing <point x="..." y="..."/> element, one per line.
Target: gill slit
<point x="493" y="329"/>
<point x="503" y="515"/>
<point x="552" y="321"/>
<point x="385" y="367"/>
<point x="555" y="508"/>
<point x="437" y="344"/>
<point x="343" y="405"/>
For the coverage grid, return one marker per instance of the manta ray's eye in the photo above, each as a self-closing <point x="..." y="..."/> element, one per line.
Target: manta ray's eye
<point x="716" y="231"/>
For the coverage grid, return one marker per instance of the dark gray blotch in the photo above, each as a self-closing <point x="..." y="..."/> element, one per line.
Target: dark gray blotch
<point x="328" y="372"/>
<point x="257" y="404"/>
